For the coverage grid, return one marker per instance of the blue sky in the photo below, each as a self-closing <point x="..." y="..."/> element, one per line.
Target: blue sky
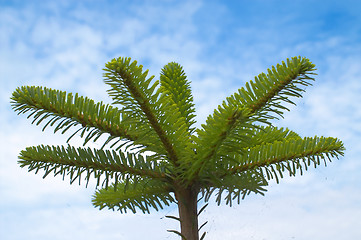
<point x="221" y="44"/>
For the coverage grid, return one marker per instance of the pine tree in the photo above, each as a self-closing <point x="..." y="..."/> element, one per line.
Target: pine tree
<point x="152" y="153"/>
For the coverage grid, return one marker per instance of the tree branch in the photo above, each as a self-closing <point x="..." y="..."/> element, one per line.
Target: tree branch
<point x="74" y="162"/>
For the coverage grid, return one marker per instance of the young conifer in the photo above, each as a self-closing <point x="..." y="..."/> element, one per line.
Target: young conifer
<point x="237" y="151"/>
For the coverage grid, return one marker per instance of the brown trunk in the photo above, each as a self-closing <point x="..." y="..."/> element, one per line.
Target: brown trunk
<point x="187" y="207"/>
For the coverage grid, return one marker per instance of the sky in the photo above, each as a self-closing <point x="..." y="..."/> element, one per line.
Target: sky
<point x="221" y="45"/>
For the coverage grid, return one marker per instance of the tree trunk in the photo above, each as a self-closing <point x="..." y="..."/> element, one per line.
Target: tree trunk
<point x="187" y="207"/>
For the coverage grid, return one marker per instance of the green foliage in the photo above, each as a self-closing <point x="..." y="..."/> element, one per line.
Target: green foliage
<point x="150" y="108"/>
<point x="66" y="111"/>
<point x="135" y="194"/>
<point x="101" y="163"/>
<point x="154" y="145"/>
<point x="174" y="84"/>
<point x="231" y="126"/>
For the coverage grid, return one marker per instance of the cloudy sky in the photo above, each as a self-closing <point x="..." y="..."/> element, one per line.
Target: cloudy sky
<point x="221" y="44"/>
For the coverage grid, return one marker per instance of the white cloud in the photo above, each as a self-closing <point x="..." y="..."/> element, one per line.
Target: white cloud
<point x="68" y="221"/>
<point x="289" y="211"/>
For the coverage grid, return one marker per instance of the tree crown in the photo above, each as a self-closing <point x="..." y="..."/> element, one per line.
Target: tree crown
<point x="237" y="151"/>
